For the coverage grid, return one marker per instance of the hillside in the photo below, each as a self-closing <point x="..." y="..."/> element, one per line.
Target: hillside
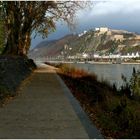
<point x="51" y="48"/>
<point x="102" y="41"/>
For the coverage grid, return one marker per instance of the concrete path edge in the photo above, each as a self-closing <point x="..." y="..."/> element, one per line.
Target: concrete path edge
<point x="91" y="129"/>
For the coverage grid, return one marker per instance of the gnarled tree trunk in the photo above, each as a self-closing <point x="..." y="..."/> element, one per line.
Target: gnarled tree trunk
<point x="18" y="30"/>
<point x="17" y="45"/>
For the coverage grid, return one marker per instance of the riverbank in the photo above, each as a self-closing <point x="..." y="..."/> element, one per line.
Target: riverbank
<point x="113" y="112"/>
<point x="90" y="62"/>
<point x="108" y="72"/>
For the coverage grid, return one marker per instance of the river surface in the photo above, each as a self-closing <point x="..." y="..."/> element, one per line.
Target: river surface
<point x="110" y="72"/>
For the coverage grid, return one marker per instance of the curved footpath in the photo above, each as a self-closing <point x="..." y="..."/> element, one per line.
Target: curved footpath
<point x="45" y="109"/>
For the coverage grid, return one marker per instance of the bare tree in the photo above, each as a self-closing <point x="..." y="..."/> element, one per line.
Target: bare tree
<point x="23" y="17"/>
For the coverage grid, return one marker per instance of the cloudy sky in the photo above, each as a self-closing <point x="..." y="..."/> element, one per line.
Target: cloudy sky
<point x="114" y="14"/>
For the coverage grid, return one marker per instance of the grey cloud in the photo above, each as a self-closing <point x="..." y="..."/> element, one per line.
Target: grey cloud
<point x="117" y="14"/>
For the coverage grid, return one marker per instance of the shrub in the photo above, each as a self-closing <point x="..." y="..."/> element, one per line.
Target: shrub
<point x="132" y="87"/>
<point x="111" y="110"/>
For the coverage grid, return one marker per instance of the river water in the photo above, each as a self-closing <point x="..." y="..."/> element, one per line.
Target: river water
<point x="110" y="72"/>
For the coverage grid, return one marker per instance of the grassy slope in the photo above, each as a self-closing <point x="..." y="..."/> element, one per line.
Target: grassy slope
<point x="116" y="115"/>
<point x="13" y="70"/>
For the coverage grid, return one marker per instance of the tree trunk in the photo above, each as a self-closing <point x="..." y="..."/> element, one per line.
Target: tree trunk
<point x="24" y="44"/>
<point x="18" y="28"/>
<point x="17" y="45"/>
<point x="11" y="44"/>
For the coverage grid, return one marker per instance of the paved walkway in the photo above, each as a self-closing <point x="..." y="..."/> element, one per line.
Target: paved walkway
<point x="42" y="110"/>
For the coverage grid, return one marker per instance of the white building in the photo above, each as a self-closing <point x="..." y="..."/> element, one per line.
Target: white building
<point x="85" y="32"/>
<point x="103" y="29"/>
<point x="137" y="54"/>
<point x="96" y="55"/>
<point x="85" y="55"/>
<point x="97" y="29"/>
<point x="81" y="34"/>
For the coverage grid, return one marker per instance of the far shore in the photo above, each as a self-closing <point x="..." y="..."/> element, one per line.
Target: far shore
<point x="93" y="62"/>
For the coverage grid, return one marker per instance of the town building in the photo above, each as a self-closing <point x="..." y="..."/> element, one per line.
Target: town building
<point x="118" y="37"/>
<point x="137" y="37"/>
<point x="97" y="29"/>
<point x="102" y="29"/>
